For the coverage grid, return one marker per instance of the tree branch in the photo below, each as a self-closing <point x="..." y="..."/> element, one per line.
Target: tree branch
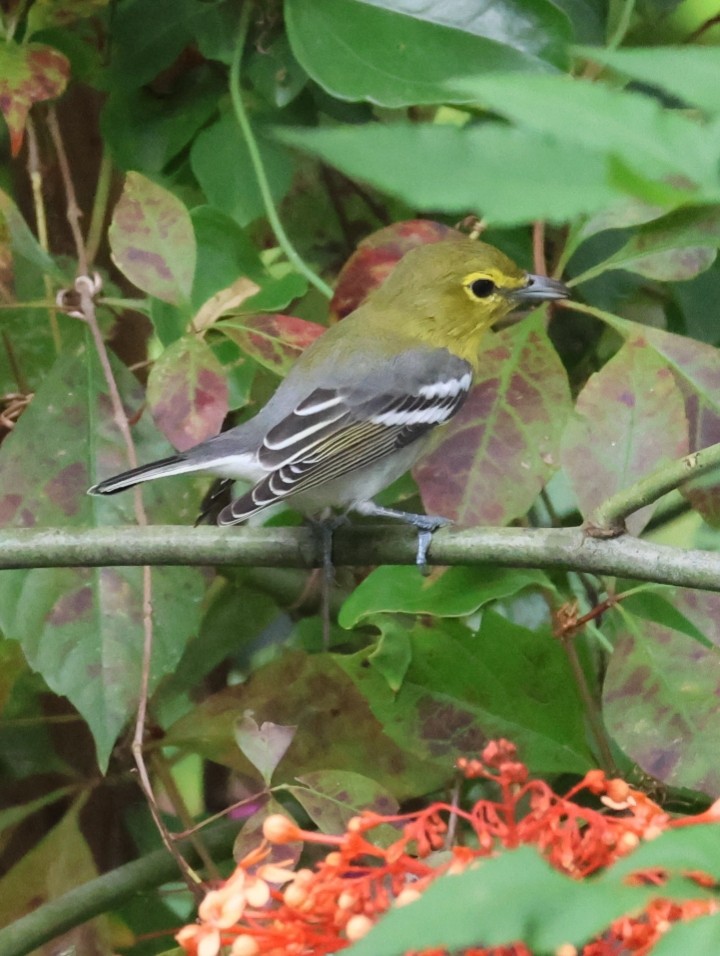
<point x="559" y="548"/>
<point x="105" y="893"/>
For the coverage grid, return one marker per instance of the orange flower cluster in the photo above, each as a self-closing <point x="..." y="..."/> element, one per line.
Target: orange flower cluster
<point x="269" y="910"/>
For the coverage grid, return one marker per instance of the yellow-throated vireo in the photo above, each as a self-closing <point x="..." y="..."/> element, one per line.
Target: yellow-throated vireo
<point x="358" y="406"/>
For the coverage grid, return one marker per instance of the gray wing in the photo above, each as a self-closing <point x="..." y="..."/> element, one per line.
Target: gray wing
<point x="339" y="429"/>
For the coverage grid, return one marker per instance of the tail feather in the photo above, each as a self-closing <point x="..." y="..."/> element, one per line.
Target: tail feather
<point x="175" y="465"/>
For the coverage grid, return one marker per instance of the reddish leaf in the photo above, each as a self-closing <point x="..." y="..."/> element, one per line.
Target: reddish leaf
<point x="375" y="258"/>
<point x="273" y="340"/>
<point x="696" y="367"/>
<point x="45" y="14"/>
<point x="152" y="240"/>
<point x="630" y="420"/>
<point x="187" y="393"/>
<point x="502" y="447"/>
<point x="28" y="74"/>
<point x="662" y="695"/>
<point x="82" y="628"/>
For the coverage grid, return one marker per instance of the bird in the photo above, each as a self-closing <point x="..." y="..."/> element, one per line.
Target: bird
<point x="359" y="406"/>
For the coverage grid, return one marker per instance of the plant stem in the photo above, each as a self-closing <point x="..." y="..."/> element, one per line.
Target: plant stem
<point x="612" y="513"/>
<point x="256" y="160"/>
<point x="97" y="217"/>
<point x="592" y="710"/>
<point x="105" y="893"/>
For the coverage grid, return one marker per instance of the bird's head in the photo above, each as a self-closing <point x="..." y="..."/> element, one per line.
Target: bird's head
<point x="454" y="291"/>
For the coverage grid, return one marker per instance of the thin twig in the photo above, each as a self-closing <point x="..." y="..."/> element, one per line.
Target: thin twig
<point x="36" y="182"/>
<point x="86" y="288"/>
<point x="73" y="212"/>
<point x="538" y="236"/>
<point x="164" y="774"/>
<point x="257" y="164"/>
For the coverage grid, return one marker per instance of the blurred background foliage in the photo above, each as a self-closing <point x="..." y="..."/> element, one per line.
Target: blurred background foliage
<point x="582" y="137"/>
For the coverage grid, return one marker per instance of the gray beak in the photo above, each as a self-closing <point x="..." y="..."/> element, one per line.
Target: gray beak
<point x="540" y="289"/>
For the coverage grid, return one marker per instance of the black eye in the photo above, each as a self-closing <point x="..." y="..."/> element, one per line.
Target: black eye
<point x="482" y="288"/>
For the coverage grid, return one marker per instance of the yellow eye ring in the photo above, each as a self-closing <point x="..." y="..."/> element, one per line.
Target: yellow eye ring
<point x="479" y="286"/>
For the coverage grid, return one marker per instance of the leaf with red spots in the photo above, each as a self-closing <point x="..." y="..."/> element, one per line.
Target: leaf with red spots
<point x="45" y="14"/>
<point x="60" y="861"/>
<point x="696" y="368"/>
<point x="152" y="240"/>
<point x="662" y="693"/>
<point x="274" y="341"/>
<point x="376" y="257"/>
<point x="187" y="393"/>
<point x="630" y="419"/>
<point x="497" y="453"/>
<point x="28" y="74"/>
<point x="336" y="726"/>
<point x="82" y="628"/>
<point x="331" y="798"/>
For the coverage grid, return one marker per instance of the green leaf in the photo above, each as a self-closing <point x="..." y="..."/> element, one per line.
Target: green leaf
<point x="393" y="652"/>
<point x="265" y="745"/>
<point x="29" y="74"/>
<point x="630" y="126"/>
<point x="24" y="243"/>
<point x="494" y="457"/>
<point x="60" y="861"/>
<point x="152" y="240"/>
<point x="187" y="393"/>
<point x="688" y="72"/>
<point x="700" y="935"/>
<point x="673" y="248"/>
<point x="687" y="848"/>
<point x="146" y="131"/>
<point x="225" y="253"/>
<point x="331" y="798"/>
<point x="630" y="418"/>
<point x="511" y="175"/>
<point x="660" y="695"/>
<point x="465" y="687"/>
<point x="147" y="38"/>
<point x="457" y="592"/>
<point x="659" y="607"/>
<point x="221" y="162"/>
<point x="516" y="896"/>
<point x="359" y="52"/>
<point x="532" y="26"/>
<point x="82" y="628"/>
<point x="45" y="14"/>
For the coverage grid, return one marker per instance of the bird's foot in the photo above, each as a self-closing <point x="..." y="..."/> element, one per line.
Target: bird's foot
<point x="426" y="526"/>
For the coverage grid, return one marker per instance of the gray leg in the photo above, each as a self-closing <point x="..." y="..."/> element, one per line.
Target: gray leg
<point x="323" y="529"/>
<point x="426" y="525"/>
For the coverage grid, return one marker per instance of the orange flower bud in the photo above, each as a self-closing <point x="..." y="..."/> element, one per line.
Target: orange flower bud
<point x="279" y="829"/>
